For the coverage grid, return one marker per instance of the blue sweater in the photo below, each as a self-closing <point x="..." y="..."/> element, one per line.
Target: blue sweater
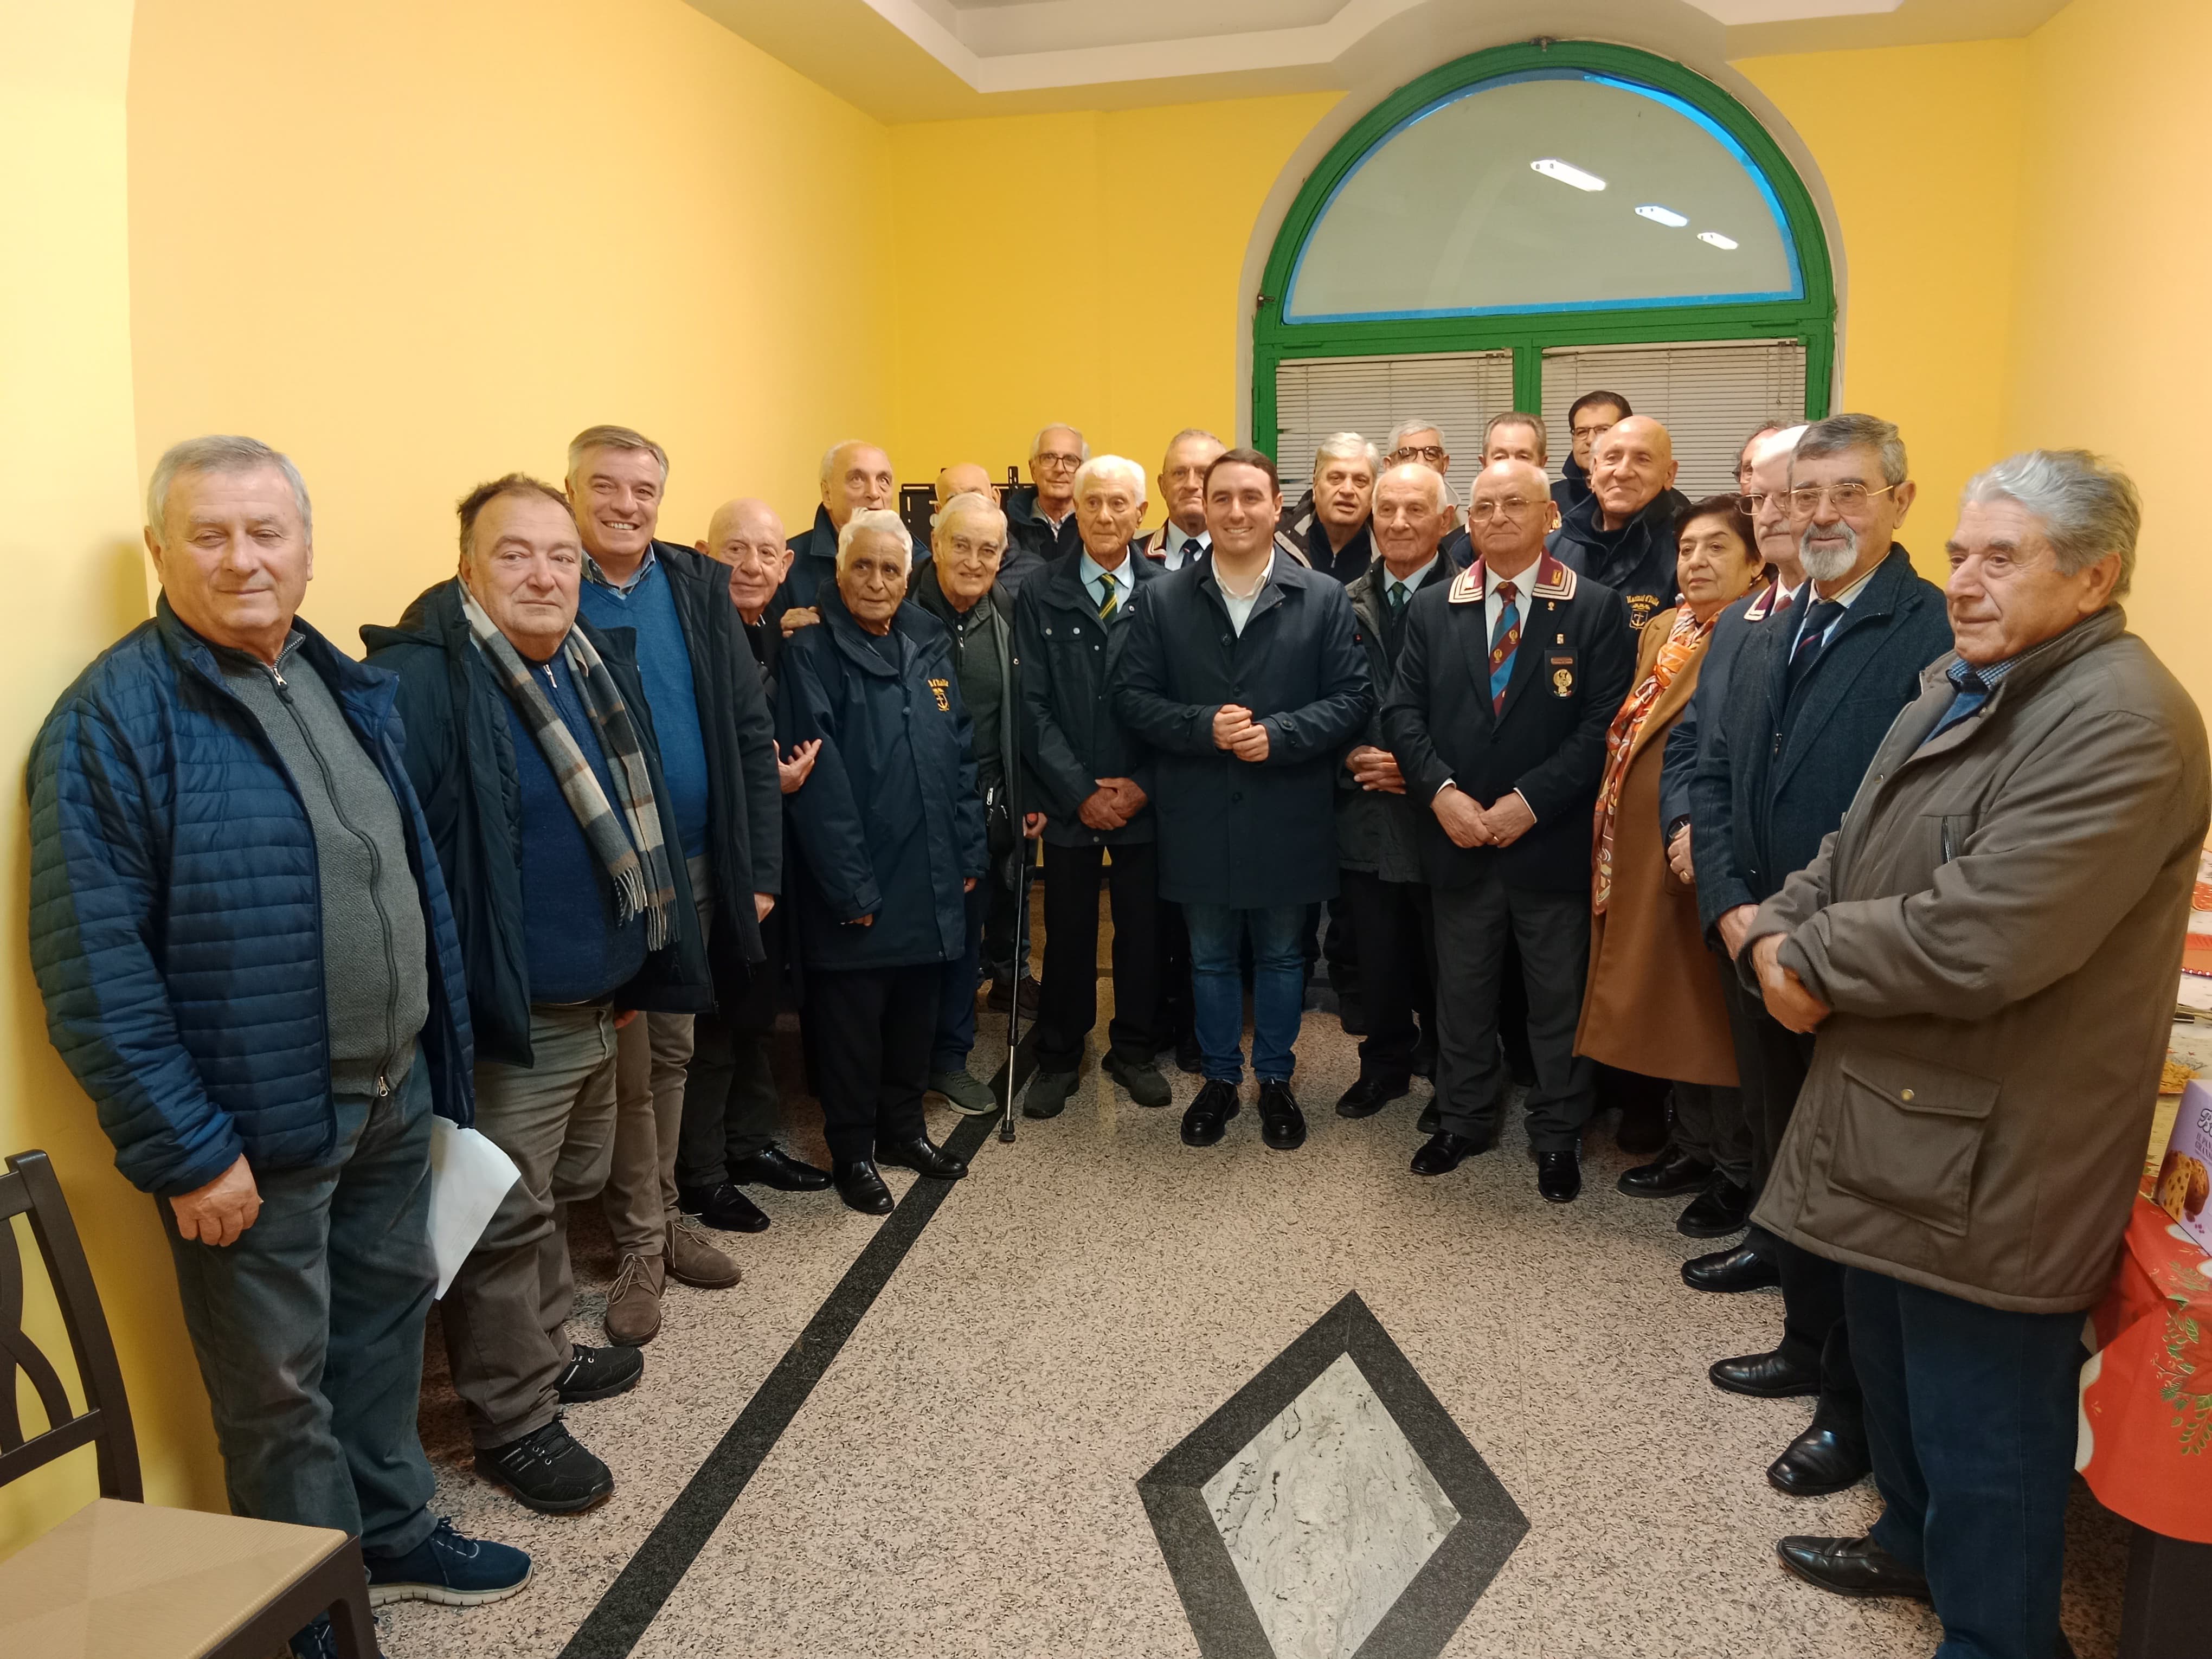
<point x="664" y="663"/>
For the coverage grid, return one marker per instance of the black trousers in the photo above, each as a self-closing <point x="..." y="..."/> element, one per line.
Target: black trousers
<point x="1473" y="925"/>
<point x="1000" y="944"/>
<point x="1175" y="1020"/>
<point x="1813" y="1330"/>
<point x="1067" y="1000"/>
<point x="872" y="1028"/>
<point x="1394" y="927"/>
<point x="729" y="1101"/>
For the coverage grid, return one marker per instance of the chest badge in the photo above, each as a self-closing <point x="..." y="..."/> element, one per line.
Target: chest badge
<point x="1561" y="665"/>
<point x="937" y="690"/>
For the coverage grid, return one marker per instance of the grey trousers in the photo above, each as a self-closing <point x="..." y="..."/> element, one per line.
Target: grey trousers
<point x="1552" y="932"/>
<point x="309" y="1329"/>
<point x="504" y="1312"/>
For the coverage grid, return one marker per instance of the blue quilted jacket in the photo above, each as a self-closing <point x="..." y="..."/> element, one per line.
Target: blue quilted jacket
<point x="176" y="923"/>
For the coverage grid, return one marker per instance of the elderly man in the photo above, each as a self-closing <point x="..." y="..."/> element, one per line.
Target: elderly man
<point x="1810" y="698"/>
<point x="890" y="838"/>
<point x="571" y="914"/>
<point x="1516" y="436"/>
<point x="1422" y="443"/>
<point x="1181" y="536"/>
<point x="1506" y="759"/>
<point x="1327" y="529"/>
<point x="241" y="931"/>
<point x="1982" y="955"/>
<point x="1244" y="672"/>
<point x="962" y="587"/>
<point x="725" y="819"/>
<point x="1589" y="417"/>
<point x="1096" y="784"/>
<point x="1621" y="536"/>
<point x="730" y="1102"/>
<point x="963" y="478"/>
<point x="1377" y="827"/>
<point x="1041" y="516"/>
<point x="856" y="478"/>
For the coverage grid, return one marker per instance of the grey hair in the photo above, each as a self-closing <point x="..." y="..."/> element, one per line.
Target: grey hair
<point x="1192" y="432"/>
<point x="967" y="501"/>
<point x="1841" y="433"/>
<point x="1441" y="495"/>
<point x="221" y="453"/>
<point x="1037" y="444"/>
<point x="1520" y="417"/>
<point x="1783" y="441"/>
<point x="2088" y="506"/>
<point x="1399" y="433"/>
<point x="829" y="455"/>
<point x="879" y="521"/>
<point x="1104" y="466"/>
<point x="1349" y="446"/>
<point x="613" y="437"/>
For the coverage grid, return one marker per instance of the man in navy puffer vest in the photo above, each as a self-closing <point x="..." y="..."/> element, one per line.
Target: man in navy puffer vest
<point x="240" y="930"/>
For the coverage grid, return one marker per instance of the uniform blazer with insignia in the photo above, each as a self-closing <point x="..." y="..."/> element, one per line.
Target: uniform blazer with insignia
<point x="1576" y="657"/>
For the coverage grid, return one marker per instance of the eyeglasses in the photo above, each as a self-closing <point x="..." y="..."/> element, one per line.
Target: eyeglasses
<point x="1595" y="431"/>
<point x="1510" y="507"/>
<point x="1756" y="501"/>
<point x="1430" y="452"/>
<point x="1054" y="457"/>
<point x="1846" y="498"/>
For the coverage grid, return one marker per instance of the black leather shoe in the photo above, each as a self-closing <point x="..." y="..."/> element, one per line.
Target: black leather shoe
<point x="1430" y="1120"/>
<point x="1443" y="1151"/>
<point x="547" y="1471"/>
<point x="1560" y="1176"/>
<point x="923" y="1156"/>
<point x="1825" y="1459"/>
<point x="723" y="1207"/>
<point x="861" y="1187"/>
<point x="1722" y="1208"/>
<point x="1672" y="1174"/>
<point x="773" y="1167"/>
<point x="1852" y="1566"/>
<point x="1746" y="1267"/>
<point x="1002" y="995"/>
<point x="1368" y="1095"/>
<point x="1766" y="1376"/>
<point x="1206" y="1117"/>
<point x="597" y="1373"/>
<point x="1282" y="1125"/>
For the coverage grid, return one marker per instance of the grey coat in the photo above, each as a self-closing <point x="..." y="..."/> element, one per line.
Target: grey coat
<point x="1376" y="832"/>
<point x="1997" y="926"/>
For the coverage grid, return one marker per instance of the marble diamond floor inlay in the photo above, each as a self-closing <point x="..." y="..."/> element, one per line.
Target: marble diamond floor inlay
<point x="1332" y="1509"/>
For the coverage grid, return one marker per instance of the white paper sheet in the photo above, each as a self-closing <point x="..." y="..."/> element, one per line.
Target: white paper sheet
<point x="468" y="1176"/>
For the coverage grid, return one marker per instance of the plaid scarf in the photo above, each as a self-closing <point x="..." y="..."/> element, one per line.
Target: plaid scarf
<point x="630" y="849"/>
<point x="1683" y="641"/>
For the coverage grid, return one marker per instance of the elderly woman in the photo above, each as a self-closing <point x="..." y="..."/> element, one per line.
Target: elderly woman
<point x="887" y="834"/>
<point x="1652" y="1004"/>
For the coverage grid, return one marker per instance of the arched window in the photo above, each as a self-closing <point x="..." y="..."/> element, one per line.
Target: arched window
<point x="1533" y="223"/>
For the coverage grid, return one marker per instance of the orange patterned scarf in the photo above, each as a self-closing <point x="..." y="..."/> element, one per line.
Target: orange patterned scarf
<point x="1682" y="642"/>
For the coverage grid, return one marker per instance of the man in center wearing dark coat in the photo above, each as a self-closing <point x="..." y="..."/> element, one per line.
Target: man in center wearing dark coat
<point x="1621" y="535"/>
<point x="856" y="478"/>
<point x="1244" y="672"/>
<point x="1506" y="685"/>
<point x="887" y="839"/>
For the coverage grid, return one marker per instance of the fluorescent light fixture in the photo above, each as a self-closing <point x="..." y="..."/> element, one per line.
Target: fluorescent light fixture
<point x="1725" y="243"/>
<point x="1568" y="174"/>
<point x="1660" y="215"/>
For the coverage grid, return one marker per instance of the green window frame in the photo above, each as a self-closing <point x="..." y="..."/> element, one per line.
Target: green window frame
<point x="1810" y="319"/>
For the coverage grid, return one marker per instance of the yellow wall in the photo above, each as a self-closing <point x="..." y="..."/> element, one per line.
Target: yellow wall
<point x="1136" y="285"/>
<point x="2110" y="344"/>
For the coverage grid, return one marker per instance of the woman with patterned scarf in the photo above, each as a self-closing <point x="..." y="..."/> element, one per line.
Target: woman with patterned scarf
<point x="1652" y="1003"/>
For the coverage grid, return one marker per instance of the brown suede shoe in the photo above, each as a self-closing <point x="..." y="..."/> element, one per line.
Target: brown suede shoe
<point x="693" y="1260"/>
<point x="634" y="1302"/>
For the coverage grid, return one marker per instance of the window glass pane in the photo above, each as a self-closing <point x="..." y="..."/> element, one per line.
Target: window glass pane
<point x="1450" y="216"/>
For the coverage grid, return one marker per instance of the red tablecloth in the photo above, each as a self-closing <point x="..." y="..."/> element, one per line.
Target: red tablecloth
<point x="2146" y="1444"/>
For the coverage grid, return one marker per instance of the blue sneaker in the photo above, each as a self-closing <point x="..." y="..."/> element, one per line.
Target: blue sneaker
<point x="318" y="1641"/>
<point x="448" y="1569"/>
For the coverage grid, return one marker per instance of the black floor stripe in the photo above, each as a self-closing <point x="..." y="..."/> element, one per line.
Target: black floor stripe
<point x="613" y="1627"/>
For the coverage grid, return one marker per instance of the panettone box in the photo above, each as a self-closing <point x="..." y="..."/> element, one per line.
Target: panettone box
<point x="2185" y="1175"/>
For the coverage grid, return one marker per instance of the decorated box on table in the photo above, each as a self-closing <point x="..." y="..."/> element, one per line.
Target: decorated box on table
<point x="2183" y="1183"/>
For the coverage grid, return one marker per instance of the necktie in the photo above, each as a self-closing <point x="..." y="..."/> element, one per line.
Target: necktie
<point x="1398" y="594"/>
<point x="1813" y="640"/>
<point x="1109" y="603"/>
<point x="1504" y="641"/>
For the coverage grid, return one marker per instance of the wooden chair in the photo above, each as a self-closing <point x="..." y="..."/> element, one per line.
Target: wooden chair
<point x="122" y="1579"/>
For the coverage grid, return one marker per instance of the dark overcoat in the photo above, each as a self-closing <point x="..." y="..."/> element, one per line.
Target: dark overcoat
<point x="1639" y="564"/>
<point x="1375" y="832"/>
<point x="1070" y="735"/>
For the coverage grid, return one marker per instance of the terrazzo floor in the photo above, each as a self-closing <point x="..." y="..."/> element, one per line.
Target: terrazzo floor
<point x="961" y="1480"/>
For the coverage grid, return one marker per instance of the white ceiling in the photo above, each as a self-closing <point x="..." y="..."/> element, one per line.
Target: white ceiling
<point x="919" y="60"/>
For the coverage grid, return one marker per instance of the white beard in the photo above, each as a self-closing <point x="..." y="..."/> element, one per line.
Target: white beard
<point x="1830" y="560"/>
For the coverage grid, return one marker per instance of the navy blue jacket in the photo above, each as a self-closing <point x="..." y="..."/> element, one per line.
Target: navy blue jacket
<point x="176" y="916"/>
<point x="1028" y="533"/>
<point x="1069" y="732"/>
<point x="1638" y="564"/>
<point x="1231" y="832"/>
<point x="460" y="750"/>
<point x="1773" y="780"/>
<point x="1679" y="762"/>
<point x="872" y="836"/>
<point x="814" y="565"/>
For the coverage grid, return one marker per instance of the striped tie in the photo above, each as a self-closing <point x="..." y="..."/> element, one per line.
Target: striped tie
<point x="1504" y="641"/>
<point x="1109" y="603"/>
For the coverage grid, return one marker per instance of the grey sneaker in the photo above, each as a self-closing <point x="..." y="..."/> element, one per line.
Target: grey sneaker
<point x="964" y="1093"/>
<point x="1048" y="1093"/>
<point x="1140" y="1078"/>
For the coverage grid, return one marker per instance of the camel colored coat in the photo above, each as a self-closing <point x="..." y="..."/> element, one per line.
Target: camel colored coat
<point x="1652" y="1003"/>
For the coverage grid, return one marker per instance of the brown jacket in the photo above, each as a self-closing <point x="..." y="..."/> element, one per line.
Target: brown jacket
<point x="1998" y="927"/>
<point x="1652" y="1003"/>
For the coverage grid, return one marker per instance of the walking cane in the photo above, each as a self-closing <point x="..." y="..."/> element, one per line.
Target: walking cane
<point x="1021" y="884"/>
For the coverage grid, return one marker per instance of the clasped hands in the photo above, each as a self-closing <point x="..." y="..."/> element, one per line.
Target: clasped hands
<point x="1794" y="1007"/>
<point x="1112" y="804"/>
<point x="1500" y="824"/>
<point x="1376" y="769"/>
<point x="1234" y="730"/>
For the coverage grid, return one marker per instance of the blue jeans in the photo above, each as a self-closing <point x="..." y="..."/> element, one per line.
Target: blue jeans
<point x="1971" y="1420"/>
<point x="956" y="1000"/>
<point x="1279" y="988"/>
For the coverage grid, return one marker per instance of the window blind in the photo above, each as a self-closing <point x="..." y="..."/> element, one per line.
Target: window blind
<point x="1316" y="396"/>
<point x="1709" y="395"/>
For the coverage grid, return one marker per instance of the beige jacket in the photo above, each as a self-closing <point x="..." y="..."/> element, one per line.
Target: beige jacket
<point x="1997" y="924"/>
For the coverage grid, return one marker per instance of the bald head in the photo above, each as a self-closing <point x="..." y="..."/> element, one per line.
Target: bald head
<point x="1629" y="464"/>
<point x="856" y="478"/>
<point x="1409" y="517"/>
<point x="962" y="478"/>
<point x="1509" y="514"/>
<point x="747" y="535"/>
